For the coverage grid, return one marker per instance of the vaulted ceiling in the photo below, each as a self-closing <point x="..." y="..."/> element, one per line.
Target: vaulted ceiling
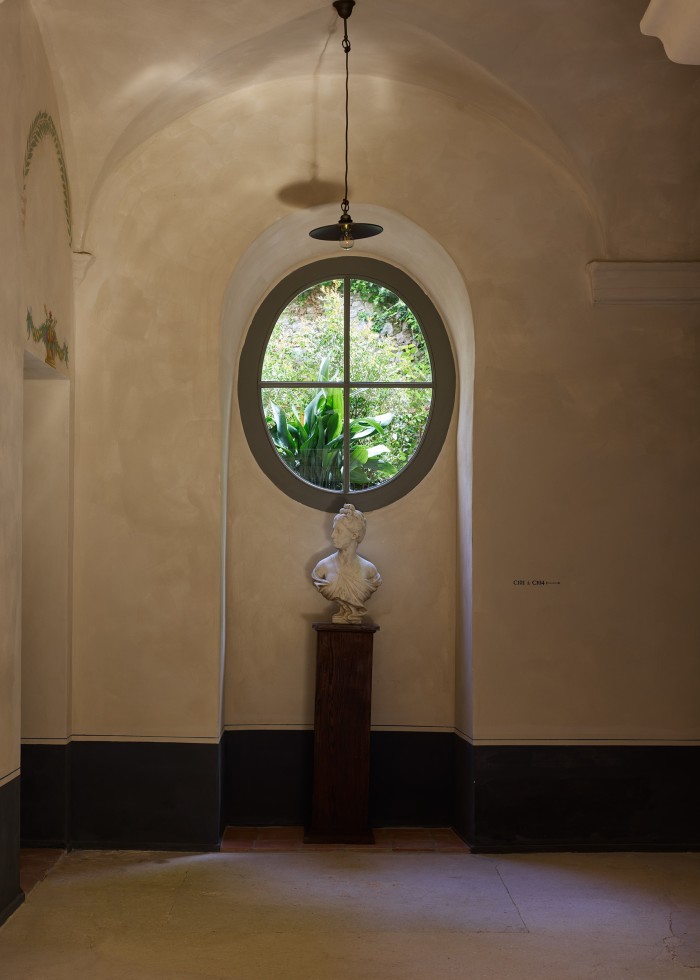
<point x="564" y="75"/>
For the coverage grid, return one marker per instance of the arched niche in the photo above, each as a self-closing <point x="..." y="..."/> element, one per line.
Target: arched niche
<point x="279" y="249"/>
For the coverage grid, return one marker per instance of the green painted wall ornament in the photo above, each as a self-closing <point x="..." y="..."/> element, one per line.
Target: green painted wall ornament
<point x="46" y="333"/>
<point x="43" y="125"/>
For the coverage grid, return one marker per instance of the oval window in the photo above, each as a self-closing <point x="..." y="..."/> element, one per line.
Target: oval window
<point x="346" y="383"/>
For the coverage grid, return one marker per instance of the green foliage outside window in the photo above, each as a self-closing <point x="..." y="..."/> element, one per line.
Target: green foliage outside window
<point x="310" y="440"/>
<point x="386" y="346"/>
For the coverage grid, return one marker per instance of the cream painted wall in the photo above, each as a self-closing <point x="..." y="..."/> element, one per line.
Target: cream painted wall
<point x="271" y="680"/>
<point x="414" y="541"/>
<point x="585" y="446"/>
<point x="46" y="504"/>
<point x="146" y="493"/>
<point x="11" y="388"/>
<point x="598" y="457"/>
<point x="36" y="269"/>
<point x="146" y="608"/>
<point x="274" y="543"/>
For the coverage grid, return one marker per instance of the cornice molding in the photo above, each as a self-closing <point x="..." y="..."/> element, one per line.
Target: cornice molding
<point x="644" y="283"/>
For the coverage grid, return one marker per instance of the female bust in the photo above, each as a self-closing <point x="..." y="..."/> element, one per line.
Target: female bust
<point x="345" y="577"/>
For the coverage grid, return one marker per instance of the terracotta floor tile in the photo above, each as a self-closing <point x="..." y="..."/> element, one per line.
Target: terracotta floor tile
<point x="455" y="841"/>
<point x="241" y="833"/>
<point x="277" y="845"/>
<point x="412" y="833"/>
<point x="280" y="833"/>
<point x="35" y="864"/>
<point x="27" y="882"/>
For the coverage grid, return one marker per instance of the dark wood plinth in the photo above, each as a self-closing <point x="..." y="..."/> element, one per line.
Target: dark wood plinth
<point x="340" y="803"/>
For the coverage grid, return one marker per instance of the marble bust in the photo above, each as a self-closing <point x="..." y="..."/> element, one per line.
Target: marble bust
<point x="345" y="577"/>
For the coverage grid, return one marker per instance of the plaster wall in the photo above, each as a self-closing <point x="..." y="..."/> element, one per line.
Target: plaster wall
<point x="600" y="459"/>
<point x="146" y="496"/>
<point x="47" y="486"/>
<point x="146" y="606"/>
<point x="585" y="452"/>
<point x="270" y="642"/>
<point x="11" y="387"/>
<point x="45" y="567"/>
<point x="413" y="541"/>
<point x="169" y="299"/>
<point x="411" y="544"/>
<point x="46" y="213"/>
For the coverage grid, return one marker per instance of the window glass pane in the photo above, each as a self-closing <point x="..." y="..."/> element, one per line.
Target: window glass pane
<point x="386" y="428"/>
<point x="306" y="343"/>
<point x="397" y="422"/>
<point x="386" y="341"/>
<point x="305" y="426"/>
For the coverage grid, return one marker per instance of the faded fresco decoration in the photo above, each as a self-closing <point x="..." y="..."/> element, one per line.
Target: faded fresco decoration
<point x="46" y="333"/>
<point x="43" y="125"/>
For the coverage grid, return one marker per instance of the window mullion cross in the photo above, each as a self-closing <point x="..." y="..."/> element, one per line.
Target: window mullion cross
<point x="346" y="386"/>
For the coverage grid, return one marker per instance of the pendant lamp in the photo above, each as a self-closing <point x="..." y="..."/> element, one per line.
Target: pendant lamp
<point x="345" y="231"/>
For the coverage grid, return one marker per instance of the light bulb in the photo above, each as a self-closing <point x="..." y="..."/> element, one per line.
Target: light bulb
<point x="346" y="239"/>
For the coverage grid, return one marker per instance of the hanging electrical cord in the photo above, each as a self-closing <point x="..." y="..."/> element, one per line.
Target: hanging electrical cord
<point x="346" y="231"/>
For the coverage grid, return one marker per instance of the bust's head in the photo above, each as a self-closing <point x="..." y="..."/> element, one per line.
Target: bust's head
<point x="349" y="524"/>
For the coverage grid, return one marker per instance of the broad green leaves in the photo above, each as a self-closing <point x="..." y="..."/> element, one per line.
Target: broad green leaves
<point x="310" y="439"/>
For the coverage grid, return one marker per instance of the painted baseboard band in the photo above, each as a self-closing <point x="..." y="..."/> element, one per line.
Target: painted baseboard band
<point x="11" y="895"/>
<point x="499" y="797"/>
<point x="10" y="776"/>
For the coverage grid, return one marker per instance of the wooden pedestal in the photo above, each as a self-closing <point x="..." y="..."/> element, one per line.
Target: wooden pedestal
<point x="340" y="804"/>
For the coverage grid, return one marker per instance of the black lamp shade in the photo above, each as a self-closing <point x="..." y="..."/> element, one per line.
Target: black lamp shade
<point x="358" y="229"/>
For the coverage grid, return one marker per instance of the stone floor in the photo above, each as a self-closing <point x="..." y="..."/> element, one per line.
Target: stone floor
<point x="369" y="914"/>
